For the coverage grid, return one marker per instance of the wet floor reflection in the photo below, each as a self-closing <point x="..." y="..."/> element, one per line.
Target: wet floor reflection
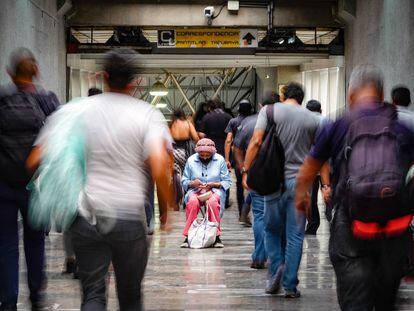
<point x="209" y="279"/>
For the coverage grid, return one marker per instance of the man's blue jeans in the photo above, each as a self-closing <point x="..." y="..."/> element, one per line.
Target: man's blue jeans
<point x="284" y="234"/>
<point x="259" y="254"/>
<point x="11" y="202"/>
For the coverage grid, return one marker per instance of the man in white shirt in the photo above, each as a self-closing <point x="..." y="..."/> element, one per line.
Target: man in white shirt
<point x="125" y="139"/>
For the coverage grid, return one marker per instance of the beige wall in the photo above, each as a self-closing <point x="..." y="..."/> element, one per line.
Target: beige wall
<point x="98" y="13"/>
<point x="287" y="74"/>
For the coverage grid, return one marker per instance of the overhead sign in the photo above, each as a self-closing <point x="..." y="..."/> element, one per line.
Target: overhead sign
<point x="207" y="38"/>
<point x="166" y="38"/>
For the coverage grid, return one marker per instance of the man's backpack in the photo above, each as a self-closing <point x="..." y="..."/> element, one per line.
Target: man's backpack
<point x="375" y="175"/>
<point x="21" y="117"/>
<point x="267" y="173"/>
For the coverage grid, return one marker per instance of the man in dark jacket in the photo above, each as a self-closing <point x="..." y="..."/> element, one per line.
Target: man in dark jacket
<point x="368" y="271"/>
<point x="23" y="110"/>
<point x="213" y="125"/>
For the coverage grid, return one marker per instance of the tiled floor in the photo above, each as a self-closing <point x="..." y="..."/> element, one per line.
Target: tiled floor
<point x="209" y="279"/>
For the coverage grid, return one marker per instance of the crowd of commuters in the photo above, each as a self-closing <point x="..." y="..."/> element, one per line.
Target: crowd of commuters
<point x="364" y="156"/>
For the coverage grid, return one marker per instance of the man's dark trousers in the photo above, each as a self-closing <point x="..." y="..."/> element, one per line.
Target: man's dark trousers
<point x="240" y="190"/>
<point x="13" y="200"/>
<point x="314" y="217"/>
<point x="368" y="272"/>
<point x="122" y="242"/>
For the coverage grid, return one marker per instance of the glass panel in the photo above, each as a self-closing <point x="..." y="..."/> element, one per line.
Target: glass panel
<point x="323" y="36"/>
<point x="89" y="35"/>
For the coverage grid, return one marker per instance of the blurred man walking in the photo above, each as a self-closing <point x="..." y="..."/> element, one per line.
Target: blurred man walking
<point x="369" y="241"/>
<point x="125" y="137"/>
<point x="23" y="110"/>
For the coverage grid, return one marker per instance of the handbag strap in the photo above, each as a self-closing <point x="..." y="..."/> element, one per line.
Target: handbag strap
<point x="212" y="213"/>
<point x="269" y="113"/>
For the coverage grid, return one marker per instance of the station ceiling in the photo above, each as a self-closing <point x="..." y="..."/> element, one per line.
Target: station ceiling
<point x="213" y="2"/>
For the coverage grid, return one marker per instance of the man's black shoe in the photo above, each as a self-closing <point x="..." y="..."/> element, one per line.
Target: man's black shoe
<point x="258" y="265"/>
<point x="70" y="266"/>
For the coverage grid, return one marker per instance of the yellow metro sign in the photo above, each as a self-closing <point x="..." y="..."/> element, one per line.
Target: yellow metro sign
<point x="208" y="38"/>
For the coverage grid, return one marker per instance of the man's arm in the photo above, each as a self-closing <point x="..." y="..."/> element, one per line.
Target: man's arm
<point x="326" y="182"/>
<point x="239" y="155"/>
<point x="255" y="142"/>
<point x="225" y="179"/>
<point x="227" y="148"/>
<point x="304" y="180"/>
<point x="159" y="160"/>
<point x="33" y="160"/>
<point x="252" y="151"/>
<point x="314" y="163"/>
<point x="254" y="147"/>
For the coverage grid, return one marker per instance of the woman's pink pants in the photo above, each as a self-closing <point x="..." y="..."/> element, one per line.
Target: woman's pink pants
<point x="193" y="207"/>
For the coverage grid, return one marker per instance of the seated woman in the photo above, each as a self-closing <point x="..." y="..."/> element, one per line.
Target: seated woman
<point x="205" y="170"/>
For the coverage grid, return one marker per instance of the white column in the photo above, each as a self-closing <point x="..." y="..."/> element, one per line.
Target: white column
<point x="92" y="79"/>
<point x="84" y="78"/>
<point x="100" y="81"/>
<point x="74" y="84"/>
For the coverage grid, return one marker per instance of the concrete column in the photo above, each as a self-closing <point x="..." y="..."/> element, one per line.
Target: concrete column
<point x="74" y="84"/>
<point x="341" y="91"/>
<point x="382" y="34"/>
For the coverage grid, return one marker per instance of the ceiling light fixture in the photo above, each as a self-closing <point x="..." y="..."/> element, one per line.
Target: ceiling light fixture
<point x="161" y="105"/>
<point x="280" y="41"/>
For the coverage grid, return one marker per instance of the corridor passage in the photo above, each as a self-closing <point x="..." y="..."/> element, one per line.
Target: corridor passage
<point x="208" y="279"/>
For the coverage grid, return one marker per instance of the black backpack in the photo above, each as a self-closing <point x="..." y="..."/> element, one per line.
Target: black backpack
<point x="21" y="118"/>
<point x="267" y="173"/>
<point x="374" y="175"/>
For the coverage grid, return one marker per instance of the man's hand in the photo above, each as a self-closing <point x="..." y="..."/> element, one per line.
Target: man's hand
<point x="302" y="202"/>
<point x="304" y="181"/>
<point x="326" y="193"/>
<point x="228" y="165"/>
<point x="34" y="159"/>
<point x="160" y="161"/>
<point x="244" y="181"/>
